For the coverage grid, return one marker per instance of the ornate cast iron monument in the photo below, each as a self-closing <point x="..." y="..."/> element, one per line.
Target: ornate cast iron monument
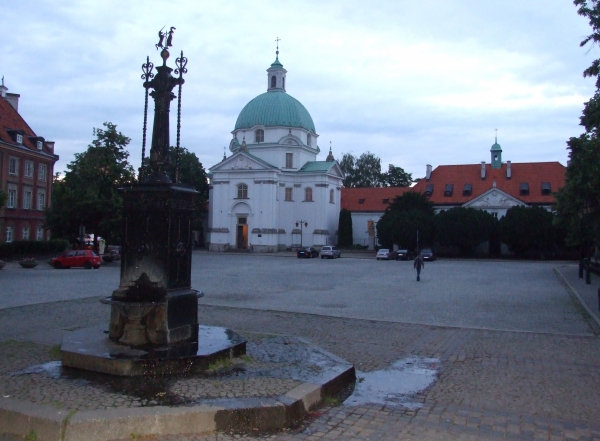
<point x="154" y="312"/>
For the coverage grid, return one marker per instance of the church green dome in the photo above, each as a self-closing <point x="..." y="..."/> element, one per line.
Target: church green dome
<point x="274" y="108"/>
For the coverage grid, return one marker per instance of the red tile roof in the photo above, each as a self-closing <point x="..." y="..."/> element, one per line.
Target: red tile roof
<point x="372" y="198"/>
<point x="533" y="173"/>
<point x="11" y="120"/>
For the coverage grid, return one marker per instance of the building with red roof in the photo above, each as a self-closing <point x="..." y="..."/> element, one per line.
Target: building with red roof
<point x="495" y="187"/>
<point x="26" y="170"/>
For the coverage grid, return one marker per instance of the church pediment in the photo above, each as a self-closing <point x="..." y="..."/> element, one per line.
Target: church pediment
<point x="494" y="198"/>
<point x="242" y="161"/>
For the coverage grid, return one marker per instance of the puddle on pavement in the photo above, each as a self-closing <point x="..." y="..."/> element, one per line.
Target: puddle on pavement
<point x="396" y="385"/>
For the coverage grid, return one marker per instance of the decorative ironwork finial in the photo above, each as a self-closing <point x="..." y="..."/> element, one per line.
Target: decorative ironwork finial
<point x="277" y="51"/>
<point x="181" y="64"/>
<point x="146" y="76"/>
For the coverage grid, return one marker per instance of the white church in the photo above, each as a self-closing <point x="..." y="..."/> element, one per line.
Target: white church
<point x="272" y="194"/>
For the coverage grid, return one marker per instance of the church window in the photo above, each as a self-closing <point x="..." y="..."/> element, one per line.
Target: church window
<point x="289" y="157"/>
<point x="308" y="140"/>
<point x="288" y="194"/>
<point x="242" y="191"/>
<point x="284" y="82"/>
<point x="524" y="189"/>
<point x="308" y="194"/>
<point x="331" y="196"/>
<point x="259" y="135"/>
<point x="273" y="82"/>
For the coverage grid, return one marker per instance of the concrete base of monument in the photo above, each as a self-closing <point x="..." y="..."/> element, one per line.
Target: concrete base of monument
<point x="272" y="387"/>
<point x="92" y="350"/>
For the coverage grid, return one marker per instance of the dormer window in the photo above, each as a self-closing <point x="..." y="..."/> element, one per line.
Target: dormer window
<point x="386" y="201"/>
<point x="273" y="82"/>
<point x="468" y="190"/>
<point x="448" y="190"/>
<point x="361" y="201"/>
<point x="546" y="188"/>
<point x="524" y="189"/>
<point x="429" y="190"/>
<point x="259" y="135"/>
<point x="19" y="138"/>
<point x="40" y="145"/>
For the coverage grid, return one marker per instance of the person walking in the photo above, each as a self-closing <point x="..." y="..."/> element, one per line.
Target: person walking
<point x="418" y="264"/>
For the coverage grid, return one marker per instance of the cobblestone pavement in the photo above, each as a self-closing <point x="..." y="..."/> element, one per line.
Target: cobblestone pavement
<point x="491" y="385"/>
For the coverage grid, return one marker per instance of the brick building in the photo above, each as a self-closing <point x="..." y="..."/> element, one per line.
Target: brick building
<point x="26" y="171"/>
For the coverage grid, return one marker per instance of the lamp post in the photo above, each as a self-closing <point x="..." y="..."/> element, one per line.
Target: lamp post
<point x="301" y="223"/>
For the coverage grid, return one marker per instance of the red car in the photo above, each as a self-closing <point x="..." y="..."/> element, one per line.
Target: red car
<point x="81" y="258"/>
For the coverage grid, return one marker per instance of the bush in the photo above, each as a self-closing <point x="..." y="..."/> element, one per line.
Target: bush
<point x="9" y="250"/>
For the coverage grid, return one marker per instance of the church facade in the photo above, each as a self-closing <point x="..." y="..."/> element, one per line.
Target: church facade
<point x="271" y="193"/>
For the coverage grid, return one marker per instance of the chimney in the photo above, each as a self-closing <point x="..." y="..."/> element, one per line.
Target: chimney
<point x="482" y="169"/>
<point x="428" y="172"/>
<point x="508" y="170"/>
<point x="13" y="100"/>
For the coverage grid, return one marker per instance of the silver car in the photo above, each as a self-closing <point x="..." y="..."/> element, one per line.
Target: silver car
<point x="330" y="252"/>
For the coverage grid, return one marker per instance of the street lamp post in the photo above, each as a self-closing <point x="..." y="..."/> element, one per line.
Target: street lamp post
<point x="301" y="223"/>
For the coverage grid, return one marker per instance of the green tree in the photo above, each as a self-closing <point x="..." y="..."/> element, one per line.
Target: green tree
<point x="408" y="217"/>
<point x="464" y="228"/>
<point x="529" y="229"/>
<point x="348" y="166"/>
<point x="88" y="194"/>
<point x="345" y="228"/>
<point x="3" y="198"/>
<point x="364" y="171"/>
<point x="397" y="177"/>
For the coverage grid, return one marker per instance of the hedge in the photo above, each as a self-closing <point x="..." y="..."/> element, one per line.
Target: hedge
<point x="20" y="247"/>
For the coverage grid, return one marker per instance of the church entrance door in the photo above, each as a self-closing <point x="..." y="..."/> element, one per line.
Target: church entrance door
<point x="242" y="234"/>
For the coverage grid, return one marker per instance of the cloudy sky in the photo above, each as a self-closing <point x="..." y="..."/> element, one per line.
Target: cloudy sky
<point x="414" y="82"/>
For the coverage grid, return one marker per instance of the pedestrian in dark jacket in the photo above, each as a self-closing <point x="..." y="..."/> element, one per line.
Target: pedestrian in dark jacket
<point x="418" y="264"/>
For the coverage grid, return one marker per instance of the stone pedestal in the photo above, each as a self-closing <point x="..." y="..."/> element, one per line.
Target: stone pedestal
<point x="154" y="304"/>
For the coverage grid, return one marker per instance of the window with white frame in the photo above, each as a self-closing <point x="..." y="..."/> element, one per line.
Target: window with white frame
<point x="331" y="196"/>
<point x="8" y="237"/>
<point x="41" y="200"/>
<point x="308" y="194"/>
<point x="289" y="160"/>
<point x="42" y="172"/>
<point x="28" y="169"/>
<point x="12" y="166"/>
<point x="288" y="194"/>
<point x="27" y="199"/>
<point x="25" y="233"/>
<point x="19" y="138"/>
<point x="40" y="233"/>
<point x="40" y="145"/>
<point x="242" y="191"/>
<point x="12" y="198"/>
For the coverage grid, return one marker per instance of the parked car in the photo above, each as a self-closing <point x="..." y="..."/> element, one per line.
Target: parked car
<point x="427" y="254"/>
<point x="402" y="255"/>
<point x="308" y="252"/>
<point x="383" y="254"/>
<point x="330" y="252"/>
<point x="78" y="258"/>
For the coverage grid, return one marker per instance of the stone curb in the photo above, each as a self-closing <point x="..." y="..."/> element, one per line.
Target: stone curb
<point x="574" y="291"/>
<point x="236" y="414"/>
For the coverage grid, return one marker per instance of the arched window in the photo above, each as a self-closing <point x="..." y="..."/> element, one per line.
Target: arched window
<point x="273" y="81"/>
<point x="308" y="139"/>
<point x="242" y="191"/>
<point x="331" y="196"/>
<point x="308" y="194"/>
<point x="259" y="135"/>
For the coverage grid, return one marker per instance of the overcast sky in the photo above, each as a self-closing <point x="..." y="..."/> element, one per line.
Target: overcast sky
<point x="414" y="82"/>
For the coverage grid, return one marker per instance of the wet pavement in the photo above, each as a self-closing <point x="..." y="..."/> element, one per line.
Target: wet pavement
<point x="486" y="384"/>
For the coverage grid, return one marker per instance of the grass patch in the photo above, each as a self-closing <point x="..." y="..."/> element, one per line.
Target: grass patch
<point x="224" y="363"/>
<point x="31" y="436"/>
<point x="54" y="352"/>
<point x="331" y="401"/>
<point x="246" y="358"/>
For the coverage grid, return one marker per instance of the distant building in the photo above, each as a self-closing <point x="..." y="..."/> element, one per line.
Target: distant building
<point x="26" y="171"/>
<point x="494" y="187"/>
<point x="272" y="194"/>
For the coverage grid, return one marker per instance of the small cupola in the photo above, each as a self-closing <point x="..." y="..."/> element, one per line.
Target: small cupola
<point x="330" y="157"/>
<point x="496" y="152"/>
<point x="276" y="74"/>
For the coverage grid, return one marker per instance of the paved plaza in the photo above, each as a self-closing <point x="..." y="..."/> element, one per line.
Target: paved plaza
<point x="517" y="353"/>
